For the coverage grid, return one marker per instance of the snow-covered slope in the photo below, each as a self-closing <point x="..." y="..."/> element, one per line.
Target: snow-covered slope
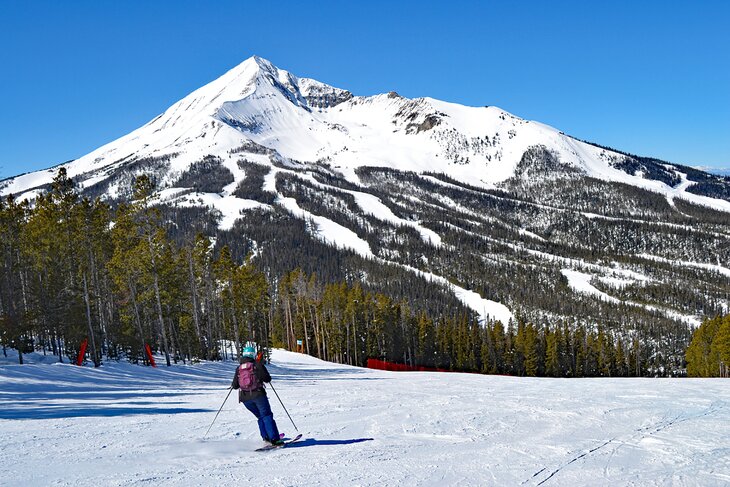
<point x="305" y="120"/>
<point x="129" y="425"/>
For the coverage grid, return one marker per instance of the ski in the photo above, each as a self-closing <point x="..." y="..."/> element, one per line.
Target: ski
<point x="274" y="447"/>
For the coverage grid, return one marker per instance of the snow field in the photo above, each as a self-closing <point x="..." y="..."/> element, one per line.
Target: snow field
<point x="129" y="425"/>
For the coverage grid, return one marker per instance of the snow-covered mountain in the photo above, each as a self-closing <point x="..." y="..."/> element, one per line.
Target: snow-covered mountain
<point x="511" y="217"/>
<point x="308" y="121"/>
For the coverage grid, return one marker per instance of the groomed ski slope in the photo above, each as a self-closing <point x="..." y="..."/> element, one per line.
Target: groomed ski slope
<point x="128" y="425"/>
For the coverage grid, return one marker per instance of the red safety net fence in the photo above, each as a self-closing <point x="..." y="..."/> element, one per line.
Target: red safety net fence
<point x="374" y="363"/>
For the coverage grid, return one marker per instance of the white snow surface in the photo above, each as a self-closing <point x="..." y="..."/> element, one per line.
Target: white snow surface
<point x="580" y="282"/>
<point x="328" y="231"/>
<point x="370" y="204"/>
<point x="712" y="267"/>
<point x="230" y="207"/>
<point x="373" y="206"/>
<point x="487" y="309"/>
<point x="126" y="425"/>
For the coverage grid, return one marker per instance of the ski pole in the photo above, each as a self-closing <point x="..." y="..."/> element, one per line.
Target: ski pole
<point x="219" y="411"/>
<point x="282" y="405"/>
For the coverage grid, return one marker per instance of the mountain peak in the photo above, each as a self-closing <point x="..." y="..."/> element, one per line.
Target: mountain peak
<point x="262" y="62"/>
<point x="300" y="91"/>
<point x="254" y="62"/>
<point x="257" y="101"/>
<point x="255" y="65"/>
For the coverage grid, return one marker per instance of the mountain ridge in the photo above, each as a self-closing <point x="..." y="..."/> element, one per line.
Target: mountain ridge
<point x="256" y="101"/>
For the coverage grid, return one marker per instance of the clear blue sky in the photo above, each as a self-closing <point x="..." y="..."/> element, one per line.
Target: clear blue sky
<point x="651" y="78"/>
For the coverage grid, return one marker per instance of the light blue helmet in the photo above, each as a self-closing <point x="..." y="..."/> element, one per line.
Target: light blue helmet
<point x="249" y="352"/>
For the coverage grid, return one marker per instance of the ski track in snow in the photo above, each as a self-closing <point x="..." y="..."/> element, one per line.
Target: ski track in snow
<point x="370" y="204"/>
<point x="342" y="237"/>
<point x="328" y="231"/>
<point x="487" y="309"/>
<point x="580" y="282"/>
<point x="712" y="267"/>
<point x="130" y="425"/>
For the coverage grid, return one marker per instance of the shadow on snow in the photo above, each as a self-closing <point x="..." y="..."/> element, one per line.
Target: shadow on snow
<point x="313" y="442"/>
<point x="122" y="389"/>
<point x="57" y="412"/>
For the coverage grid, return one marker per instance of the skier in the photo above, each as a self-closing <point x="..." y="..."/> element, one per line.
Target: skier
<point x="249" y="380"/>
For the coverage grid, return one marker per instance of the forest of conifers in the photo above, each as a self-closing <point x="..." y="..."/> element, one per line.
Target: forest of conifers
<point x="74" y="269"/>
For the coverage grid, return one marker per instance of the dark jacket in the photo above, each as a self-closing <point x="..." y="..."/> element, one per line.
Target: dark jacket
<point x="261" y="373"/>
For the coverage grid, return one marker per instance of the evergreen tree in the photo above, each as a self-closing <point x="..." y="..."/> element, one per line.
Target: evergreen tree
<point x="552" y="360"/>
<point x="702" y="359"/>
<point x="13" y="276"/>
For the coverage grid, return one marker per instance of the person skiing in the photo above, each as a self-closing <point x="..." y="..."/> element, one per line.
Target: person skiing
<point x="249" y="380"/>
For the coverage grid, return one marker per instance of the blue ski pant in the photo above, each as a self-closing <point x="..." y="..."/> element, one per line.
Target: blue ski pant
<point x="261" y="408"/>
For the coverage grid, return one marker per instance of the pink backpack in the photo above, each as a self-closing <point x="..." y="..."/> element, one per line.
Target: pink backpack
<point x="247" y="380"/>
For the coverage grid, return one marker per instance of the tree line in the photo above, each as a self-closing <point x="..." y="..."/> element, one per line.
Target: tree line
<point x="342" y="323"/>
<point x="74" y="268"/>
<point x="708" y="354"/>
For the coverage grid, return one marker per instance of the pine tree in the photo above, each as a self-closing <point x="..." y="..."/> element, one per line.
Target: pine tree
<point x="702" y="359"/>
<point x="579" y="347"/>
<point x="426" y="341"/>
<point x="152" y="244"/>
<point x="92" y="237"/>
<point x="635" y="363"/>
<point x="13" y="269"/>
<point x="225" y="272"/>
<point x="552" y="359"/>
<point x="720" y="347"/>
<point x="355" y="319"/>
<point x="50" y="247"/>
<point x="531" y="351"/>
<point x="621" y="369"/>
